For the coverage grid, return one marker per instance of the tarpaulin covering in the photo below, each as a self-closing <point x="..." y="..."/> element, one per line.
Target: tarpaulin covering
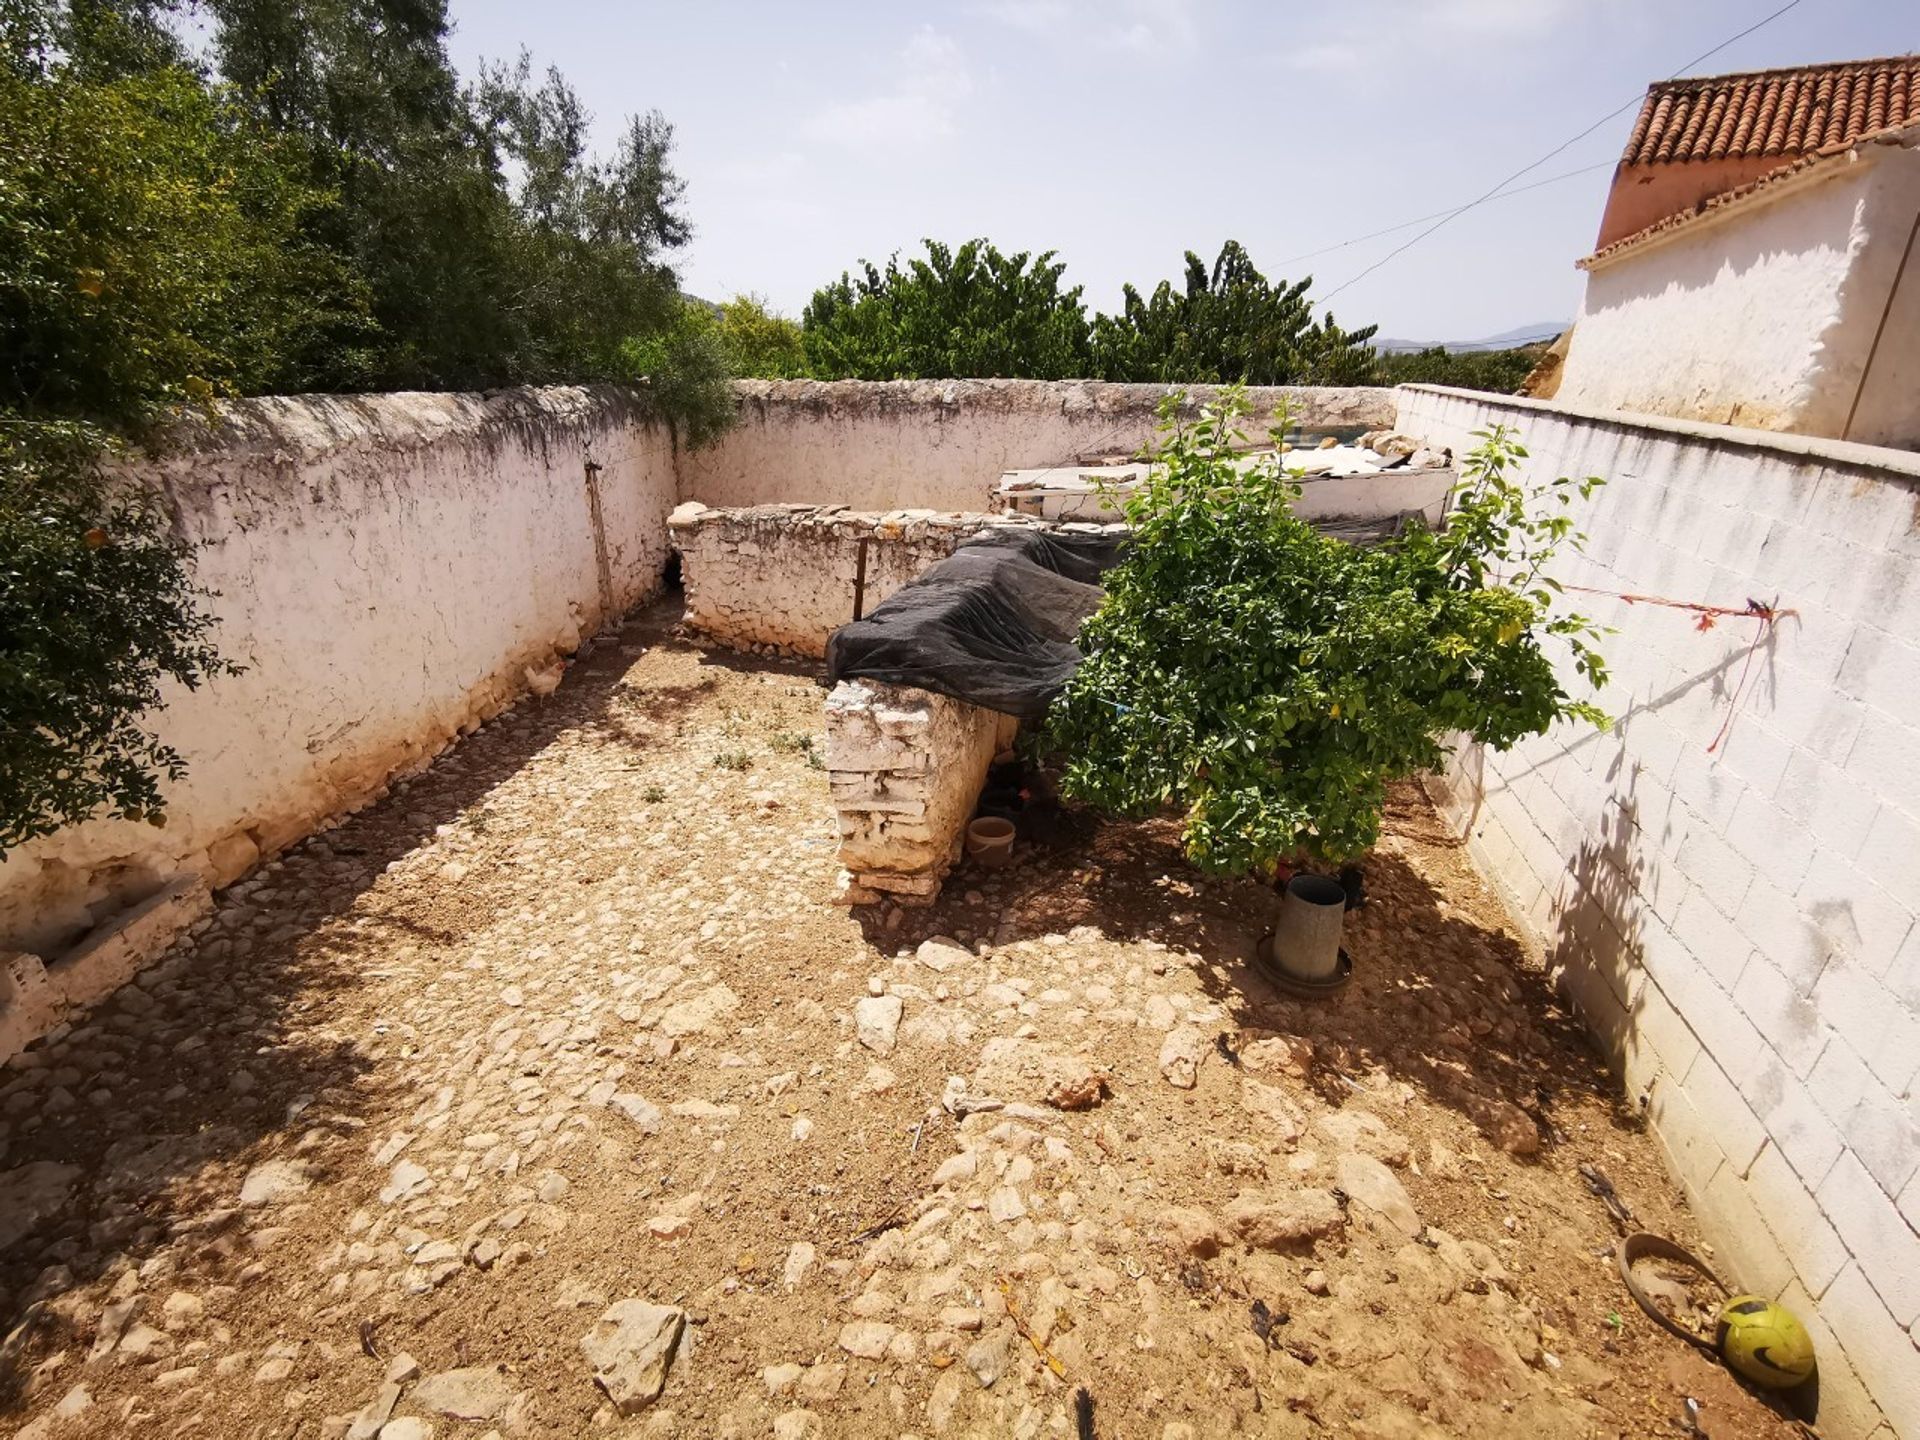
<point x="993" y="624"/>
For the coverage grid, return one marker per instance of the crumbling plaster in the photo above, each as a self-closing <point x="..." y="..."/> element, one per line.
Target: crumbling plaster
<point x="389" y="570"/>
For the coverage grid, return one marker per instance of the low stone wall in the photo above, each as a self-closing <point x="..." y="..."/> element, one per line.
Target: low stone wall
<point x="905" y="767"/>
<point x="784" y="577"/>
<point x="1737" y="922"/>
<point x="943" y="444"/>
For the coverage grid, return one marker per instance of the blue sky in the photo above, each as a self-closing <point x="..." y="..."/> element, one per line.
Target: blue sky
<point x="1122" y="133"/>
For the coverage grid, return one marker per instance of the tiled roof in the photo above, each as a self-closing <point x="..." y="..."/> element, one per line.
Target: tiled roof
<point x="1788" y="113"/>
<point x="1792" y="169"/>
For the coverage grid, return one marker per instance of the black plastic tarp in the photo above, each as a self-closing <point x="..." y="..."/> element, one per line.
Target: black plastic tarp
<point x="993" y="624"/>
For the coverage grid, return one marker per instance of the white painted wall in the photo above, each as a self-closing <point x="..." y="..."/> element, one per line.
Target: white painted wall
<point x="389" y="568"/>
<point x="1725" y="321"/>
<point x="943" y="444"/>
<point x="1739" y="928"/>
<point x="1887" y="410"/>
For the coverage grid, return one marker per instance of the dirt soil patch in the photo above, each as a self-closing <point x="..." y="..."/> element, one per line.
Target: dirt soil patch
<point x="562" y="1042"/>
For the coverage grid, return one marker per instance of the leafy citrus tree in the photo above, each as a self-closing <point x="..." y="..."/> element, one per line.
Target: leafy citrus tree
<point x="1271" y="682"/>
<point x="968" y="311"/>
<point x="1225" y="325"/>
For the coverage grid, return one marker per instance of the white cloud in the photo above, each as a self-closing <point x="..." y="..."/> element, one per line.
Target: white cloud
<point x="1137" y="27"/>
<point x="1494" y="17"/>
<point x="1337" y="57"/>
<point x="1035" y="17"/>
<point x="1158" y="26"/>
<point x="930" y="79"/>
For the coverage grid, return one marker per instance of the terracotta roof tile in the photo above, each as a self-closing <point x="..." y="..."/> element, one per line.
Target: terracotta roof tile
<point x="1908" y="134"/>
<point x="1788" y="113"/>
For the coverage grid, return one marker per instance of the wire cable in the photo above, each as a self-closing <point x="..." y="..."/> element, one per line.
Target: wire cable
<point x="1437" y="214"/>
<point x="1563" y="145"/>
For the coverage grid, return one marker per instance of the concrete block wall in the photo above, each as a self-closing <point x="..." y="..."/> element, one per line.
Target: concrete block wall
<point x="1737" y="923"/>
<point x="784" y="576"/>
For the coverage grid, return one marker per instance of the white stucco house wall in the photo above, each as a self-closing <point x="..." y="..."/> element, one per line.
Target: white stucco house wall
<point x="1788" y="303"/>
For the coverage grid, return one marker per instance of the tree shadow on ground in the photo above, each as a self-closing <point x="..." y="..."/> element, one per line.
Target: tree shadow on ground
<point x="1438" y="999"/>
<point x="145" y="1113"/>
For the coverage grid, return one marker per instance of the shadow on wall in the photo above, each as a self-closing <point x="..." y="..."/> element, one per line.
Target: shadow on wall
<point x="1703" y="371"/>
<point x="163" y="1098"/>
<point x="1596" y="950"/>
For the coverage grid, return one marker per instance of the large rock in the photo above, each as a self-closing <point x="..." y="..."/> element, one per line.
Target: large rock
<point x="1270" y="1104"/>
<point x="630" y="1348"/>
<point x="941" y="954"/>
<point x="1188" y="1230"/>
<point x="30" y="1193"/>
<point x="1370" y="1183"/>
<point x="473" y="1392"/>
<point x="1368" y="1134"/>
<point x="1180" y="1055"/>
<point x="272" y="1181"/>
<point x="1284" y="1221"/>
<point x="1505" y="1124"/>
<point x="640" y="1110"/>
<point x="689" y="1017"/>
<point x="876" y="1022"/>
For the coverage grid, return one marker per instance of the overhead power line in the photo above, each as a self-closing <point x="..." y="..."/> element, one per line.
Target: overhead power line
<point x="1422" y="219"/>
<point x="1452" y="215"/>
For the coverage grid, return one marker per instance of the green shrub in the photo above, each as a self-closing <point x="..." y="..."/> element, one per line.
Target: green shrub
<point x="1271" y="682"/>
<point x="153" y="254"/>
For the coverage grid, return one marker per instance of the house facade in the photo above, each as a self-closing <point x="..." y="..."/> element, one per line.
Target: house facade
<point x="1757" y="257"/>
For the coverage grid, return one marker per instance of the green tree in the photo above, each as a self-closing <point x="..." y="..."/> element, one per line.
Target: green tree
<point x="153" y="254"/>
<point x="1271" y="683"/>
<point x="1225" y="325"/>
<point x="496" y="248"/>
<point x="970" y="312"/>
<point x="685" y="366"/>
<point x="1501" y="371"/>
<point x="760" y="343"/>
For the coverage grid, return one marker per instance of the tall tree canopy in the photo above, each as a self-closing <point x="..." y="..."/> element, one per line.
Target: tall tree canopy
<point x="1225" y="325"/>
<point x="966" y="311"/>
<point x="974" y="312"/>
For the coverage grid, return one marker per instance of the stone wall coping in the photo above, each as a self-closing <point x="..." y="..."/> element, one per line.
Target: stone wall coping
<point x="839" y="520"/>
<point x="1899" y="467"/>
<point x="853" y="398"/>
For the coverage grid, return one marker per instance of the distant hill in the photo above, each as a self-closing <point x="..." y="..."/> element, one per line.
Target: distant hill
<point x="1544" y="331"/>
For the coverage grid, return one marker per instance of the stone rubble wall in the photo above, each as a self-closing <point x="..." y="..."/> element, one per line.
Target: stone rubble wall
<point x="905" y="767"/>
<point x="1738" y="925"/>
<point x="943" y="444"/>
<point x="782" y="577"/>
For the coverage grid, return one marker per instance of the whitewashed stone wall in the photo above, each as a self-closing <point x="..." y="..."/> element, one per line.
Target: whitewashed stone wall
<point x="784" y="576"/>
<point x="943" y="444"/>
<point x="1739" y="927"/>
<point x="391" y="571"/>
<point x="1795" y="309"/>
<point x="905" y="767"/>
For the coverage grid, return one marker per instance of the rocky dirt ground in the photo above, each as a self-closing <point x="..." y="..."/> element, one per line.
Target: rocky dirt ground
<point x="549" y="1097"/>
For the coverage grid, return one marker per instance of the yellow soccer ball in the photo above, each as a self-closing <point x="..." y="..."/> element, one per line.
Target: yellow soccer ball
<point x="1764" y="1342"/>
